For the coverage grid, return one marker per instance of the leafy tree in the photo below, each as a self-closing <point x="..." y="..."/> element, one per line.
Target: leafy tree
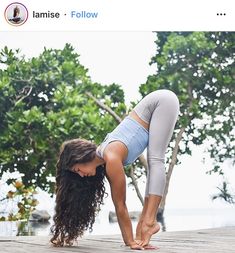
<point x="199" y="67"/>
<point x="224" y="194"/>
<point x="43" y="102"/>
<point x="24" y="197"/>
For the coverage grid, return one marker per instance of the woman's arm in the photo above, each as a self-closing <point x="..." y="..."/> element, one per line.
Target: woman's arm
<point x="116" y="176"/>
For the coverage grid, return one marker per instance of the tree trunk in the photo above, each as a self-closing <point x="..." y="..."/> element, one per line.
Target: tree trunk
<point x="135" y="184"/>
<point x="104" y="107"/>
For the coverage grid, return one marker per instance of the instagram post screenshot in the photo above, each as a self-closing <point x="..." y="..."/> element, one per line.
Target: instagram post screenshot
<point x="117" y="126"/>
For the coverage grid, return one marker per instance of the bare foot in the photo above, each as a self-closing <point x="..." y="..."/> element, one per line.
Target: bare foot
<point x="147" y="231"/>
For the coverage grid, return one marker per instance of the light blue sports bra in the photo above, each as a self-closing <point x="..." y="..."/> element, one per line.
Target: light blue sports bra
<point x="132" y="134"/>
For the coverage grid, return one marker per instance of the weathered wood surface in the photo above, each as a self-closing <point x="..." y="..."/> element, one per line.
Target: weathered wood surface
<point x="218" y="240"/>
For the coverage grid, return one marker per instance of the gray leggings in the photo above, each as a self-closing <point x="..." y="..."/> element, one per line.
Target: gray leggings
<point x="160" y="110"/>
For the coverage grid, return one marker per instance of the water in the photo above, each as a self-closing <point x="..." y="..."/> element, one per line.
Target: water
<point x="174" y="220"/>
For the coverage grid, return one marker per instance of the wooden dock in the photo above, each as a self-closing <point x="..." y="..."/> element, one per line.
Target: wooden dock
<point x="217" y="240"/>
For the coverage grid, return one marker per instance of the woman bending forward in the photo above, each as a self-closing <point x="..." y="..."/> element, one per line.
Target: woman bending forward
<point x="82" y="166"/>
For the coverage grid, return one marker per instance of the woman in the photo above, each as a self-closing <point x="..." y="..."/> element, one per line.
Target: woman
<point x="82" y="166"/>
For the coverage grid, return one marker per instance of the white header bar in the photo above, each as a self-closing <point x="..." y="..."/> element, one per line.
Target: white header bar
<point x="118" y="15"/>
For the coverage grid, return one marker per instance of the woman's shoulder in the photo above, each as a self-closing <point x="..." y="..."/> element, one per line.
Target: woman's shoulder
<point x="115" y="150"/>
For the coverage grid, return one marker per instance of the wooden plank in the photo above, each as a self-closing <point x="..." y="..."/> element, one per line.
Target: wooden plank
<point x="218" y="240"/>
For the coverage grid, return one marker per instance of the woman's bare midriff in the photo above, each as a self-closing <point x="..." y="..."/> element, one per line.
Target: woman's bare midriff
<point x="134" y="115"/>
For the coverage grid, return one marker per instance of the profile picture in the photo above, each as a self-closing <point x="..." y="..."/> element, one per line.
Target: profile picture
<point x="16" y="14"/>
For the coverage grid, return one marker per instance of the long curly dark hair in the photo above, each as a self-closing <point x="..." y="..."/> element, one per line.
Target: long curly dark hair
<point x="78" y="199"/>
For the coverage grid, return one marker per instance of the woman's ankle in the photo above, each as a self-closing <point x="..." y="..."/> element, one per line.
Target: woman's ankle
<point x="149" y="222"/>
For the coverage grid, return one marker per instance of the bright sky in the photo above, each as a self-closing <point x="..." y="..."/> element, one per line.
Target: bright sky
<point x="123" y="58"/>
<point x="111" y="57"/>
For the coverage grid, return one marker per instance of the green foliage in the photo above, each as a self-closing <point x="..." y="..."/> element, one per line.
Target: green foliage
<point x="24" y="197"/>
<point x="224" y="194"/>
<point x="42" y="104"/>
<point x="199" y="67"/>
